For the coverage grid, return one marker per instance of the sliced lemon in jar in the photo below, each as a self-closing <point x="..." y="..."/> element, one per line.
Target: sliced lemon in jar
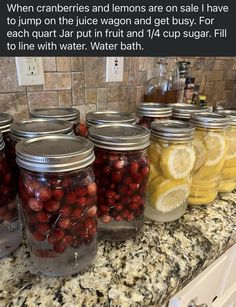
<point x="202" y="200"/>
<point x="169" y="195"/>
<point x="209" y="172"/>
<point x="153" y="172"/>
<point x="229" y="173"/>
<point x="177" y="161"/>
<point x="232" y="145"/>
<point x="215" y="145"/>
<point x="200" y="152"/>
<point x="227" y="186"/>
<point x="154" y="153"/>
<point x="152" y="186"/>
<point x="230" y="162"/>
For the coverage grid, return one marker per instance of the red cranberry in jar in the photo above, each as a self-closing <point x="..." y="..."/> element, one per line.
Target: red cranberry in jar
<point x="148" y="112"/>
<point x="10" y="228"/>
<point x="71" y="115"/>
<point x="121" y="149"/>
<point x="58" y="194"/>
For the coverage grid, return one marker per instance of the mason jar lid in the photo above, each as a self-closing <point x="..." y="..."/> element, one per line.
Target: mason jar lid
<point x="152" y="109"/>
<point x="184" y="110"/>
<point x="37" y="127"/>
<point x="229" y="113"/>
<point x="119" y="136"/>
<point x="70" y="114"/>
<point x="2" y="144"/>
<point x="5" y="121"/>
<point x="94" y="118"/>
<point x="172" y="130"/>
<point x="210" y="120"/>
<point x="54" y="153"/>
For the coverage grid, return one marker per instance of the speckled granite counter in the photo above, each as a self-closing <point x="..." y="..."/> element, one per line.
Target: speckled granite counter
<point x="144" y="272"/>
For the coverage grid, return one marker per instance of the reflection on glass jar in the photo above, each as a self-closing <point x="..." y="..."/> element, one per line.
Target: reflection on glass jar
<point x="228" y="176"/>
<point x="9" y="221"/>
<point x="121" y="170"/>
<point x="210" y="144"/>
<point x="71" y="115"/>
<point x="149" y="112"/>
<point x="172" y="159"/>
<point x="58" y="196"/>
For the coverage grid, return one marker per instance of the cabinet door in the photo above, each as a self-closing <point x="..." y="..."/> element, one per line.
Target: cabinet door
<point x="204" y="288"/>
<point x="228" y="299"/>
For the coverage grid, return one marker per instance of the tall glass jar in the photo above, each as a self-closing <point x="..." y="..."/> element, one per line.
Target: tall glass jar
<point x="121" y="170"/>
<point x="210" y="144"/>
<point x="10" y="228"/>
<point x="183" y="111"/>
<point x="228" y="176"/>
<point x="172" y="159"/>
<point x="71" y="115"/>
<point x="58" y="195"/>
<point x="149" y="112"/>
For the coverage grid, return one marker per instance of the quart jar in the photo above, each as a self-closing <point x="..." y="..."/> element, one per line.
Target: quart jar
<point x="148" y="112"/>
<point x="10" y="228"/>
<point x="183" y="111"/>
<point x="228" y="176"/>
<point x="172" y="159"/>
<point x="71" y="115"/>
<point x="58" y="195"/>
<point x="121" y="170"/>
<point x="109" y="117"/>
<point x="5" y="123"/>
<point x="210" y="144"/>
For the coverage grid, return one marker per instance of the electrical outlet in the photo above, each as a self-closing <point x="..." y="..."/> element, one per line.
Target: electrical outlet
<point x="30" y="70"/>
<point x="114" y="69"/>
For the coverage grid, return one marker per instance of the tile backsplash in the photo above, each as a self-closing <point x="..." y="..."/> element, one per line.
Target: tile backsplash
<point x="80" y="82"/>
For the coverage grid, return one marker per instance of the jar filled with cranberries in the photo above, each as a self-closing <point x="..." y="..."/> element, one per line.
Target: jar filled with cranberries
<point x="5" y="122"/>
<point x="71" y="115"/>
<point x="58" y="196"/>
<point x="121" y="170"/>
<point x="148" y="112"/>
<point x="10" y="229"/>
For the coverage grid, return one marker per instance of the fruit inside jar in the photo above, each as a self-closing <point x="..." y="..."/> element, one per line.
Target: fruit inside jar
<point x="59" y="207"/>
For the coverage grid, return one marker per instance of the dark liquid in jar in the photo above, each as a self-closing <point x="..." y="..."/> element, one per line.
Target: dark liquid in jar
<point x="170" y="96"/>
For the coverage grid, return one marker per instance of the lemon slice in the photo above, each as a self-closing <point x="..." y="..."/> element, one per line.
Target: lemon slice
<point x="177" y="161"/>
<point x="229" y="173"/>
<point x="169" y="195"/>
<point x="153" y="172"/>
<point x="202" y="193"/>
<point x="208" y="172"/>
<point x="215" y="144"/>
<point x="152" y="186"/>
<point x="226" y="186"/>
<point x="154" y="153"/>
<point x="230" y="162"/>
<point x="200" y="152"/>
<point x="202" y="200"/>
<point x="232" y="145"/>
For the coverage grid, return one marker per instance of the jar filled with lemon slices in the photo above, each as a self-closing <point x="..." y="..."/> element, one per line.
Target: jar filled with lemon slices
<point x="172" y="159"/>
<point x="210" y="144"/>
<point x="228" y="176"/>
<point x="182" y="111"/>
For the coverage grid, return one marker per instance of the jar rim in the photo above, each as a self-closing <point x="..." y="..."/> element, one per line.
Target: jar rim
<point x="153" y="109"/>
<point x="5" y="121"/>
<point x="119" y="136"/>
<point x="54" y="153"/>
<point x="231" y="114"/>
<point x="38" y="127"/>
<point x="105" y="117"/>
<point x="210" y="120"/>
<point x="70" y="114"/>
<point x="185" y="110"/>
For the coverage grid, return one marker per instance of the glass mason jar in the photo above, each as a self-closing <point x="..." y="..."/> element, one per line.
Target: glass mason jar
<point x="183" y="111"/>
<point x="172" y="159"/>
<point x="228" y="176"/>
<point x="210" y="144"/>
<point x="68" y="114"/>
<point x="147" y="112"/>
<point x="58" y="196"/>
<point x="5" y="122"/>
<point x="109" y="117"/>
<point x="121" y="169"/>
<point x="10" y="228"/>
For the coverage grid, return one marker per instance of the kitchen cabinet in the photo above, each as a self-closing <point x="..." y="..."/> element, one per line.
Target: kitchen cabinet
<point x="215" y="286"/>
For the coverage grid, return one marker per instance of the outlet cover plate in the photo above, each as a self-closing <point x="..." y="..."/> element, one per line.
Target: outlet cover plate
<point x="114" y="69"/>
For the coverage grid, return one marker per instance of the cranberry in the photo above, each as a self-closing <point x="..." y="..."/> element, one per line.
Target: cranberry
<point x="136" y="198"/>
<point x="81" y="129"/>
<point x="67" y="240"/>
<point x="145" y="171"/>
<point x="134" y="167"/>
<point x="81" y="191"/>
<point x="92" y="189"/>
<point x="127" y="180"/>
<point x="119" y="207"/>
<point x="92" y="211"/>
<point x="35" y="205"/>
<point x="77" y="213"/>
<point x="134" y="206"/>
<point x="57" y="194"/>
<point x="43" y="194"/>
<point x="106" y="170"/>
<point x="106" y="218"/>
<point x="52" y="205"/>
<point x="42" y="217"/>
<point x="43" y="228"/>
<point x="65" y="211"/>
<point x="119" y="164"/>
<point x="125" y="214"/>
<point x="134" y="186"/>
<point x="57" y="234"/>
<point x="59" y="248"/>
<point x="38" y="236"/>
<point x="65" y="223"/>
<point x="110" y="194"/>
<point x="116" y="176"/>
<point x="7" y="178"/>
<point x="70" y="198"/>
<point x="81" y="201"/>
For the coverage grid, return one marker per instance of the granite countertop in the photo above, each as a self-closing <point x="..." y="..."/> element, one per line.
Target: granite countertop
<point x="146" y="271"/>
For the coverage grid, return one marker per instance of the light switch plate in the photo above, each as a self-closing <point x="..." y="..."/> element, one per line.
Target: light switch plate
<point x="30" y="70"/>
<point x="114" y="69"/>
